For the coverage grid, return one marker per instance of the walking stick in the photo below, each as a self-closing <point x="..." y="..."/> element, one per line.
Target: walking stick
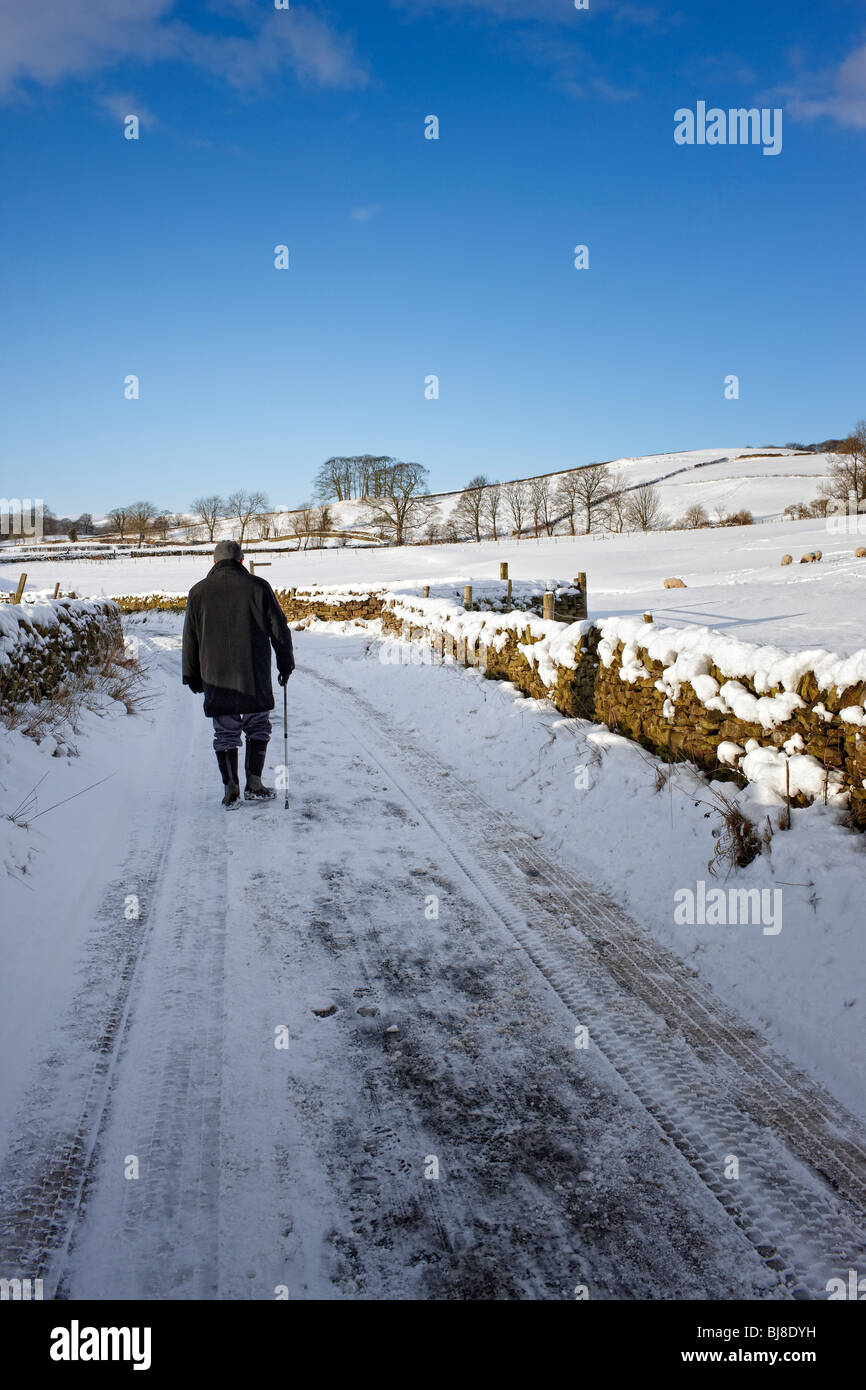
<point x="286" y="739"/>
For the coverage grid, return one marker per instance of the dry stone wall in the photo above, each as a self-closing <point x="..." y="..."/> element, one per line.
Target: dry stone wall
<point x="43" y="643"/>
<point x="795" y="721"/>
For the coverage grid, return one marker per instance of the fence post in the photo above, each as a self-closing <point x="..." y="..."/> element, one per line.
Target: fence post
<point x="467" y="597"/>
<point x="581" y="581"/>
<point x="547" y="601"/>
<point x="425" y="592"/>
<point x="508" y="595"/>
<point x="503" y="569"/>
<point x="56" y="589"/>
<point x="647" y="617"/>
<point x="20" y="590"/>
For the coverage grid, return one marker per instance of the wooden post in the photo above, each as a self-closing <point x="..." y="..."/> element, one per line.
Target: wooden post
<point x="647" y="617"/>
<point x="503" y="569"/>
<point x="581" y="580"/>
<point x="425" y="592"/>
<point x="56" y="589"/>
<point x="547" y="601"/>
<point x="508" y="595"/>
<point x="20" y="590"/>
<point x="252" y="566"/>
<point x="467" y="597"/>
<point x="465" y="651"/>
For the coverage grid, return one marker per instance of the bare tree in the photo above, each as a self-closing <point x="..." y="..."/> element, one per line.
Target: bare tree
<point x="820" y="506"/>
<point x="541" y="504"/>
<point x="612" y="509"/>
<point x="355" y="475"/>
<point x="591" y="485"/>
<point x="516" y="506"/>
<point x="433" y="530"/>
<point x="491" y="507"/>
<point x="141" y="515"/>
<point x="404" y="507"/>
<point x="302" y="524"/>
<point x="209" y="511"/>
<point x="119" y="519"/>
<point x="643" y="508"/>
<point x="846" y="480"/>
<point x="565" y="498"/>
<point x="471" y="504"/>
<point x="332" y="481"/>
<point x="323" y="524"/>
<point x="162" y="524"/>
<point x="242" y="506"/>
<point x="694" y="518"/>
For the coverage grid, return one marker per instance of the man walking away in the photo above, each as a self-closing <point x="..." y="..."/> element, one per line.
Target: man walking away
<point x="232" y="621"/>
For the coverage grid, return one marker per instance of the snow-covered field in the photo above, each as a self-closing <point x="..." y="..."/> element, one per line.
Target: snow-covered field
<point x="735" y="582"/>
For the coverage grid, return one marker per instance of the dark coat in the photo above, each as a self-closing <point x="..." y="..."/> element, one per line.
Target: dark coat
<point x="232" y="621"/>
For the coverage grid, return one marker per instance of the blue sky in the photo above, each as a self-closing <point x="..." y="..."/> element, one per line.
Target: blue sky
<point x="411" y="257"/>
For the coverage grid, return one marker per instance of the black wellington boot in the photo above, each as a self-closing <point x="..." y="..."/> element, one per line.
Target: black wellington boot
<point x="228" y="761"/>
<point x="254" y="761"/>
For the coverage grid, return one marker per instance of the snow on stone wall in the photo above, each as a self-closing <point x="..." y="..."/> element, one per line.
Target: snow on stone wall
<point x="44" y="642"/>
<point x="795" y="722"/>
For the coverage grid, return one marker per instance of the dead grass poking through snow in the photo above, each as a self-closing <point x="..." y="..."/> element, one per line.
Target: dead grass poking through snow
<point x="118" y="678"/>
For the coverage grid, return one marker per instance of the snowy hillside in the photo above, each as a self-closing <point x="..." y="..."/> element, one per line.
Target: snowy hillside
<point x="761" y="480"/>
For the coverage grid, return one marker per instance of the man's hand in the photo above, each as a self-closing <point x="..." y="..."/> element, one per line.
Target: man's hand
<point x="282" y="679"/>
<point x="197" y="688"/>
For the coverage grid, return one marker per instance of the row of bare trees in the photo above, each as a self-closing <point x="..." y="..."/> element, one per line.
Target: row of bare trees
<point x="140" y="520"/>
<point x="358" y="477"/>
<point x="582" y="500"/>
<point x="246" y="509"/>
<point x="399" y="508"/>
<point x="137" y="520"/>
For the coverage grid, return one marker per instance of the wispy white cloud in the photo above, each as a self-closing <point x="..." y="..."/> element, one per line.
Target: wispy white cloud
<point x="641" y="13"/>
<point x="553" y="36"/>
<point x="570" y="65"/>
<point x="364" y="214"/>
<point x="47" y="41"/>
<point x="123" y="104"/>
<point x="839" y="94"/>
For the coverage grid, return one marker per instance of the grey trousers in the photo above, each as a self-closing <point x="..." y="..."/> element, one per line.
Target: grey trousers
<point x="227" y="729"/>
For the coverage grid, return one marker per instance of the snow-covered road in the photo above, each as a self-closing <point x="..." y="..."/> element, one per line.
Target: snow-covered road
<point x="338" y="1054"/>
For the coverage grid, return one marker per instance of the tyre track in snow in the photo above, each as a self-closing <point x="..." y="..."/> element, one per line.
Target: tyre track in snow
<point x="713" y="1085"/>
<point x="49" y="1172"/>
<point x="45" y="1170"/>
<point x="550" y="1169"/>
<point x="157" y="1236"/>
